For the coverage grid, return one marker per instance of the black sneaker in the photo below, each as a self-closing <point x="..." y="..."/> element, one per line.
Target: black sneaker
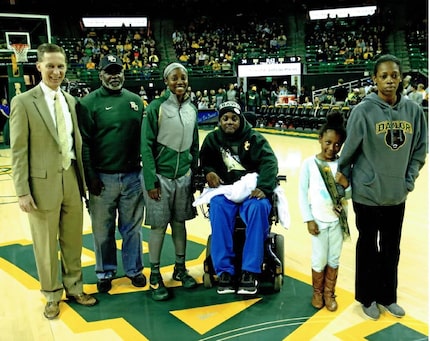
<point x="225" y="285"/>
<point x="138" y="280"/>
<point x="181" y="274"/>
<point x="248" y="284"/>
<point x="104" y="285"/>
<point x="158" y="290"/>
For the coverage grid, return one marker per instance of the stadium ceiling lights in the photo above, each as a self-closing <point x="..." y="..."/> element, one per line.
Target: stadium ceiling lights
<point x="112" y="22"/>
<point x="342" y="12"/>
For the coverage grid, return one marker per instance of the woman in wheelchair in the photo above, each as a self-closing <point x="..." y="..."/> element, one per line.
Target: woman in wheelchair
<point x="227" y="154"/>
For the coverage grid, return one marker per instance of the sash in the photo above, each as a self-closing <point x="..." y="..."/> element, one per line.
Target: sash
<point x="337" y="199"/>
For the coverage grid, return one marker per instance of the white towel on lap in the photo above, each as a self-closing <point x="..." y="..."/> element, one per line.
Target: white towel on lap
<point x="237" y="192"/>
<point x="282" y="207"/>
<point x="241" y="189"/>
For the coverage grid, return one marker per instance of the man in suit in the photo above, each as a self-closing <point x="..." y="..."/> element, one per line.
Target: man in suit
<point x="48" y="178"/>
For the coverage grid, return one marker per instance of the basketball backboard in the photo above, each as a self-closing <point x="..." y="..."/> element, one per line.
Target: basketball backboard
<point x="18" y="28"/>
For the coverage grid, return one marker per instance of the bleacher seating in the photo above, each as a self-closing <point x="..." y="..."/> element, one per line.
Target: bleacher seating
<point x="330" y="48"/>
<point x="418" y="52"/>
<point x="289" y="116"/>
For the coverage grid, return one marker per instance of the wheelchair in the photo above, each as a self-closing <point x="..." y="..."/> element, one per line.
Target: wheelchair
<point x="272" y="268"/>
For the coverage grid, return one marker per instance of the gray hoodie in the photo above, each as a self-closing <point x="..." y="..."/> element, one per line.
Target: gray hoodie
<point x="385" y="148"/>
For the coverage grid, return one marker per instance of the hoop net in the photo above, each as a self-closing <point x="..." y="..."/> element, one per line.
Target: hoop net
<point x="20" y="51"/>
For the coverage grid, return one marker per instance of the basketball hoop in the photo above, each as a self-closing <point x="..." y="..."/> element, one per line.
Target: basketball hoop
<point x="20" y="51"/>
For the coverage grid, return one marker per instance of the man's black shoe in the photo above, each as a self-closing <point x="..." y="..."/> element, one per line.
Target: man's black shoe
<point x="104" y="285"/>
<point x="138" y="281"/>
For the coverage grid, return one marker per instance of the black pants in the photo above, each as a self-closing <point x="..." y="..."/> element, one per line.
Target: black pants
<point x="377" y="252"/>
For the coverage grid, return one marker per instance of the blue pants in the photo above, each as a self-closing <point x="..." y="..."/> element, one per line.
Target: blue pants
<point x="222" y="215"/>
<point x="121" y="198"/>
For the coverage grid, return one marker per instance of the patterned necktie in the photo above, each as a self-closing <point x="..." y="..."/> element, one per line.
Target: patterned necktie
<point x="62" y="133"/>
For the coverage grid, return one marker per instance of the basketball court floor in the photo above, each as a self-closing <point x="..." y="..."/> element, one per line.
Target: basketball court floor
<point x="129" y="313"/>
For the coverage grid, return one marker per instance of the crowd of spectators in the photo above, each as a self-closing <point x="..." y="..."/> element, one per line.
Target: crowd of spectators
<point x="217" y="45"/>
<point x="345" y="40"/>
<point x="136" y="47"/>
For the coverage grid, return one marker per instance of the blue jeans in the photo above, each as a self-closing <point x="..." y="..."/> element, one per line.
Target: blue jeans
<point x="120" y="198"/>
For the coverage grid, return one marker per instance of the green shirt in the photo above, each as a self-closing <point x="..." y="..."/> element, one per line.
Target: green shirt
<point x="110" y="127"/>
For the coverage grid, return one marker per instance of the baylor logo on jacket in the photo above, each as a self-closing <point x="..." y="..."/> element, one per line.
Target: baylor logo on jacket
<point x="395" y="132"/>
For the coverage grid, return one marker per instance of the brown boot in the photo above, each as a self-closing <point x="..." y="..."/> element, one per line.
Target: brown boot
<point x="318" y="285"/>
<point x="329" y="285"/>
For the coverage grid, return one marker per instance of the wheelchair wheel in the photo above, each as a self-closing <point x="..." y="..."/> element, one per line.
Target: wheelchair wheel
<point x="208" y="247"/>
<point x="207" y="280"/>
<point x="279" y="245"/>
<point x="279" y="252"/>
<point x="208" y="275"/>
<point x="277" y="283"/>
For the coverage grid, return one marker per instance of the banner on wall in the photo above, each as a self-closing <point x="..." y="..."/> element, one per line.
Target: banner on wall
<point x="264" y="70"/>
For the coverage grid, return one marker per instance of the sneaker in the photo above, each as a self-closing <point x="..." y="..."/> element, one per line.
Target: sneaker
<point x="372" y="312"/>
<point x="104" y="285"/>
<point x="138" y="280"/>
<point x="181" y="274"/>
<point x="248" y="284"/>
<point x="158" y="290"/>
<point x="225" y="285"/>
<point x="395" y="310"/>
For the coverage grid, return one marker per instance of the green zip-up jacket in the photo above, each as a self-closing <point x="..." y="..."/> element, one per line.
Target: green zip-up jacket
<point x="169" y="139"/>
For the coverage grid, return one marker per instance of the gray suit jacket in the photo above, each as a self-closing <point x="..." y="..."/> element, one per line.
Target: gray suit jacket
<point x="36" y="151"/>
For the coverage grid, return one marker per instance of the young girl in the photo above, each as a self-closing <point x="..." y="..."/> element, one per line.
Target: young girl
<point x="322" y="208"/>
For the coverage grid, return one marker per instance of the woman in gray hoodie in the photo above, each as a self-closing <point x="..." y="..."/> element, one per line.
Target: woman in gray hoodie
<point x="385" y="149"/>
